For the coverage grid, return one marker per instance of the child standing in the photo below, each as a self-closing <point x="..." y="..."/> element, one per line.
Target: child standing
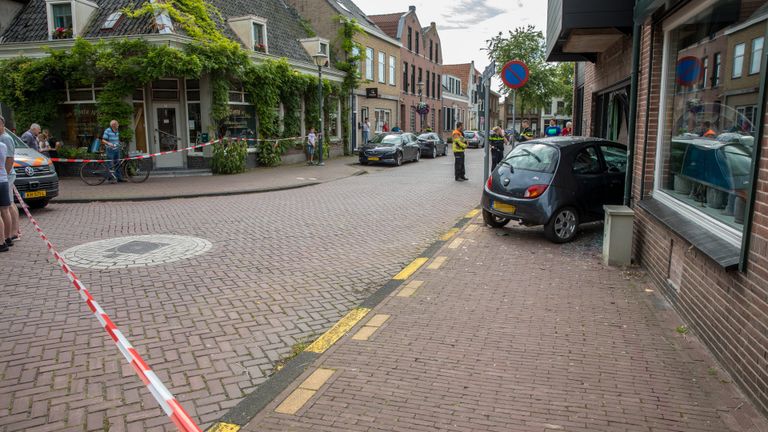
<point x="311" y="140"/>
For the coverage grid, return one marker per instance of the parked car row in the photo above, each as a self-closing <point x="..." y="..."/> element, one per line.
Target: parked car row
<point x="399" y="147"/>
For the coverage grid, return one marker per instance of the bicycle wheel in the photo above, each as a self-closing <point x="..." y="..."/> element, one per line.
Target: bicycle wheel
<point x="137" y="170"/>
<point x="94" y="173"/>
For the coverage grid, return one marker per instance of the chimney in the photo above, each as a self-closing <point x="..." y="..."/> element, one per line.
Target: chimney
<point x="432" y="24"/>
<point x="411" y="8"/>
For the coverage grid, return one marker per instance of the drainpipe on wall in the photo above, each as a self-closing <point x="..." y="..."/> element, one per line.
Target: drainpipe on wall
<point x="631" y="127"/>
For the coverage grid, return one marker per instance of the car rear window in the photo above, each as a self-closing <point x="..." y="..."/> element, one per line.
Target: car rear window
<point x="534" y="157"/>
<point x="469" y="134"/>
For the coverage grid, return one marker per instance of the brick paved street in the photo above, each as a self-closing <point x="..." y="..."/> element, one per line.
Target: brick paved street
<point x="506" y="332"/>
<point x="283" y="267"/>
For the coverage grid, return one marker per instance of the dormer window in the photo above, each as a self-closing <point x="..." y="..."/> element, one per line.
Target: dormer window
<point x="67" y="19"/>
<point x="252" y="30"/>
<point x="258" y="38"/>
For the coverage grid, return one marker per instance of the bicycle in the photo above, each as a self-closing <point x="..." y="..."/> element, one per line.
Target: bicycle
<point x="96" y="173"/>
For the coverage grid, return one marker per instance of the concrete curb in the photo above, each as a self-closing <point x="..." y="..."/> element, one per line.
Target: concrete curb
<point x="205" y="194"/>
<point x="253" y="403"/>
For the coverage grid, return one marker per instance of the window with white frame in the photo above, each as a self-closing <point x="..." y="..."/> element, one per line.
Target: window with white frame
<point x="756" y="56"/>
<point x="392" y="71"/>
<point x="369" y="64"/>
<point x="62" y="15"/>
<point x="356" y="53"/>
<point x="259" y="34"/>
<point x="194" y="113"/>
<point x="738" y="60"/>
<point x="704" y="158"/>
<point x="382" y="67"/>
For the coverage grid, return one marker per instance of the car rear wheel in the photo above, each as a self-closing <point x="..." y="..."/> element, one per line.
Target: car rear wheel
<point x="398" y="159"/>
<point x="563" y="225"/>
<point x="494" y="221"/>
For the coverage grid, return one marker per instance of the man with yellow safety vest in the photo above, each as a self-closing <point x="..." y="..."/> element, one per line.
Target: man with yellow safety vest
<point x="496" y="143"/>
<point x="459" y="144"/>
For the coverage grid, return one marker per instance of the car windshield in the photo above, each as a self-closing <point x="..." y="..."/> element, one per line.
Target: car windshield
<point x="469" y="134"/>
<point x="17" y="142"/>
<point x="533" y="157"/>
<point x="425" y="137"/>
<point x="386" y="140"/>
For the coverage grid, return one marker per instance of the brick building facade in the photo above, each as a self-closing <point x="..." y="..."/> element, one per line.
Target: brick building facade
<point x="421" y="61"/>
<point x="700" y="165"/>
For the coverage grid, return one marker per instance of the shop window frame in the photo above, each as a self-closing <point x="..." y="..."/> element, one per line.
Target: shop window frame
<point x="735" y="237"/>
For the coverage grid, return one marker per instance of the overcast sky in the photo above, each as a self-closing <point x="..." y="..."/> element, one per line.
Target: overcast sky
<point x="465" y="25"/>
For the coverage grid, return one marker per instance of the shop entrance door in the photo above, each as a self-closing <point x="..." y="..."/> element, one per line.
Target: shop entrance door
<point x="167" y="137"/>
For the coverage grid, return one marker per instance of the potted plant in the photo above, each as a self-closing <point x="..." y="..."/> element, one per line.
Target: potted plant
<point x="62" y="33"/>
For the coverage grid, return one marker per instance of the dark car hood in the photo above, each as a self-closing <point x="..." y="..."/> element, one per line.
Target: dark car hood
<point x="380" y="149"/>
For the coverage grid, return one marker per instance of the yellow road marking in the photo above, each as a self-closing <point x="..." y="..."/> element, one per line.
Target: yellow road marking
<point x="472" y="228"/>
<point x="410" y="269"/>
<point x="437" y="262"/>
<point x="456" y="243"/>
<point x="224" y="427"/>
<point x="472" y="214"/>
<point x="337" y="331"/>
<point x="317" y="379"/>
<point x="370" y="327"/>
<point x="450" y="233"/>
<point x="293" y="403"/>
<point x="410" y="289"/>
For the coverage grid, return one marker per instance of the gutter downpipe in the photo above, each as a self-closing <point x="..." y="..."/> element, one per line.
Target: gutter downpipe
<point x="631" y="127"/>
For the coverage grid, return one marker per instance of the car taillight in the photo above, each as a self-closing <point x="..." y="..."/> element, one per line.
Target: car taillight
<point x="535" y="191"/>
<point x="489" y="182"/>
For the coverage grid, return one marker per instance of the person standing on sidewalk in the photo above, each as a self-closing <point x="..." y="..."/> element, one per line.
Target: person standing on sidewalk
<point x="111" y="140"/>
<point x="459" y="145"/>
<point x="5" y="203"/>
<point x="366" y="131"/>
<point x="497" y="141"/>
<point x="11" y="172"/>
<point x="30" y="137"/>
<point x="311" y="143"/>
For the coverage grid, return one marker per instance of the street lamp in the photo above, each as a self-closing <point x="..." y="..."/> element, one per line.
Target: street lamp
<point x="321" y="59"/>
<point x="420" y="85"/>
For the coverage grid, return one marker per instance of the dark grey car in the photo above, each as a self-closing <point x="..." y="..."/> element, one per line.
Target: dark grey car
<point x="557" y="182"/>
<point x="391" y="147"/>
<point x="432" y="145"/>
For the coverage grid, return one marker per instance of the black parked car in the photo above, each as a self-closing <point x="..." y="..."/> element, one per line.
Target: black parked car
<point x="432" y="145"/>
<point x="391" y="147"/>
<point x="557" y="182"/>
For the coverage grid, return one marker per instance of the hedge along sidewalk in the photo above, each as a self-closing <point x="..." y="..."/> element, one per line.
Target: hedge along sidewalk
<point x="73" y="190"/>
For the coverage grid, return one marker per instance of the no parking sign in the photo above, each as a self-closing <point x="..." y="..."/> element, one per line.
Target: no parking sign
<point x="514" y="74"/>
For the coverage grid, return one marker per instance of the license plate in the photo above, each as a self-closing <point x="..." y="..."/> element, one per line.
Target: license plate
<point x="34" y="194"/>
<point x="505" y="208"/>
<point x="373" y="158"/>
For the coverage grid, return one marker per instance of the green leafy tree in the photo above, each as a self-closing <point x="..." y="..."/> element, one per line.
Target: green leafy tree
<point x="546" y="80"/>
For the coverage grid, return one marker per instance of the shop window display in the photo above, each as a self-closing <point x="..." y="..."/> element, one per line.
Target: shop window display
<point x="709" y="133"/>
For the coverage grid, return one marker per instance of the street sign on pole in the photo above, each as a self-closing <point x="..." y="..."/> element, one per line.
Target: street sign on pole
<point x="488" y="73"/>
<point x="514" y="74"/>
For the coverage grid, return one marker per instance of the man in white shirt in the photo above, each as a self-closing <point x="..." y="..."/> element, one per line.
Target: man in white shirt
<point x="11" y="173"/>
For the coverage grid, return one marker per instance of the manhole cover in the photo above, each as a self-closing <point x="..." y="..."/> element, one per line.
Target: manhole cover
<point x="135" y="251"/>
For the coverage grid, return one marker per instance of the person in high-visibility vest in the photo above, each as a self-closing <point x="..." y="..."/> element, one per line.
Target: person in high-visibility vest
<point x="496" y="142"/>
<point x="459" y="145"/>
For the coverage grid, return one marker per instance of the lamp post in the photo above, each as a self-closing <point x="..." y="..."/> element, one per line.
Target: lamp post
<point x="420" y="85"/>
<point x="320" y="59"/>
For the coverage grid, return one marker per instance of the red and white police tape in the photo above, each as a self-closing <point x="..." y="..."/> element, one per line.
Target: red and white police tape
<point x="147" y="156"/>
<point x="167" y="401"/>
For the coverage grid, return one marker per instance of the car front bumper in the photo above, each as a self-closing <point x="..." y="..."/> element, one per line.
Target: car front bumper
<point x="377" y="158"/>
<point x="32" y="188"/>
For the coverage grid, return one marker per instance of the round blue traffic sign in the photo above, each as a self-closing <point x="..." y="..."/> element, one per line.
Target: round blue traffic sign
<point x="514" y="74"/>
<point x="688" y="71"/>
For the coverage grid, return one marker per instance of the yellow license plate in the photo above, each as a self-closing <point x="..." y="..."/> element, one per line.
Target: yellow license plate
<point x="505" y="208"/>
<point x="34" y="194"/>
<point x="373" y="158"/>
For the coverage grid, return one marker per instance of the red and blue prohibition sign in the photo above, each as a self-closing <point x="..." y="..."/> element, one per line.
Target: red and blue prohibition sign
<point x="514" y="74"/>
<point x="688" y="71"/>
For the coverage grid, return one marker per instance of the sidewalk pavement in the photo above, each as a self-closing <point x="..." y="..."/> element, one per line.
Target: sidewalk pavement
<point x="500" y="330"/>
<point x="261" y="179"/>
